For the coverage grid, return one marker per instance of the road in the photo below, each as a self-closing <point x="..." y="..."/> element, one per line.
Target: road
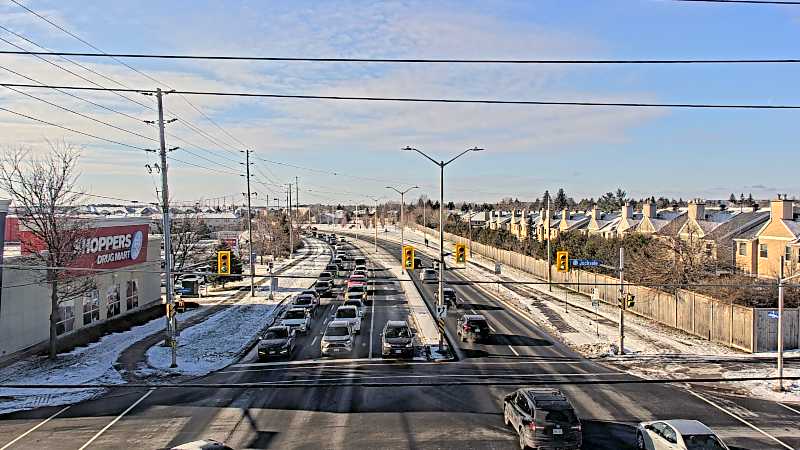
<point x="451" y="415"/>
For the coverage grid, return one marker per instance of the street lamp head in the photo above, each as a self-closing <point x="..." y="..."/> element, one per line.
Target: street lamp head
<point x="408" y="148"/>
<point x="476" y="149"/>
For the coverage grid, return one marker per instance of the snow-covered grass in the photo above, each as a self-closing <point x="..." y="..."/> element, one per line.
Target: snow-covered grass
<point x="92" y="364"/>
<point x="222" y="338"/>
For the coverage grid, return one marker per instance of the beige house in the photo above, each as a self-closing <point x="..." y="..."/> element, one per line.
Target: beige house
<point x="572" y="221"/>
<point x="665" y="222"/>
<point x="717" y="228"/>
<point x="629" y="220"/>
<point x="602" y="223"/>
<point x="779" y="236"/>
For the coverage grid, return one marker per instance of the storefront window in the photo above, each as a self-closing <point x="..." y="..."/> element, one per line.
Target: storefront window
<point x="91" y="307"/>
<point x="66" y="319"/>
<point x="113" y="301"/>
<point x="132" y="294"/>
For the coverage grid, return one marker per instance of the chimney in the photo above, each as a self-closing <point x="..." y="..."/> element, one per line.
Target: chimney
<point x="697" y="209"/>
<point x="627" y="210"/>
<point x="780" y="209"/>
<point x="649" y="209"/>
<point x="595" y="212"/>
<point x="565" y="214"/>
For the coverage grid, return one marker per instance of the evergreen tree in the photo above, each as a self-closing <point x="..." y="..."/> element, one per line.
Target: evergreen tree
<point x="546" y="199"/>
<point x="732" y="198"/>
<point x="236" y="266"/>
<point x="560" y="201"/>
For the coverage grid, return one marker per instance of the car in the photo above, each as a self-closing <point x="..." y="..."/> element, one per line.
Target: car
<point x="418" y="263"/>
<point x="356" y="280"/>
<point x="331" y="268"/>
<point x="306" y="302"/>
<point x="324" y="288"/>
<point x="325" y="276"/>
<point x="311" y="292"/>
<point x="397" y="339"/>
<point x="297" y="319"/>
<point x="450" y="297"/>
<point x="338" y="338"/>
<point x="543" y="419"/>
<point x="360" y="267"/>
<point x="341" y="239"/>
<point x="678" y="435"/>
<point x="357" y="291"/>
<point x="430" y="276"/>
<point x="277" y="341"/>
<point x="360" y="261"/>
<point x="350" y="314"/>
<point x="473" y="327"/>
<point x="357" y="302"/>
<point x="360" y="272"/>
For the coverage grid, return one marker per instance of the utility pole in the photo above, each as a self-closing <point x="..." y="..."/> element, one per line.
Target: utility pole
<point x="172" y="324"/>
<point x="291" y="230"/>
<point x="622" y="301"/>
<point x="250" y="226"/>
<point x="375" y="222"/>
<point x="779" y="387"/>
<point x="297" y="200"/>
<point x="442" y="164"/>
<point x="546" y="224"/>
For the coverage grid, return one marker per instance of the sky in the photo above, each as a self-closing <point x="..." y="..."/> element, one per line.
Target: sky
<point x="349" y="151"/>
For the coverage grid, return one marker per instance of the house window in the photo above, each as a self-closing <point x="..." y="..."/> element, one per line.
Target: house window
<point x="762" y="250"/>
<point x="132" y="294"/>
<point x="113" y="301"/>
<point x="66" y="319"/>
<point x="91" y="307"/>
<point x="742" y="249"/>
<point x="788" y="254"/>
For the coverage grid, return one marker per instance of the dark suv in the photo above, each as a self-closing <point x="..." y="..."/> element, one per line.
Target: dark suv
<point x="397" y="339"/>
<point x="543" y="418"/>
<point x="473" y="327"/>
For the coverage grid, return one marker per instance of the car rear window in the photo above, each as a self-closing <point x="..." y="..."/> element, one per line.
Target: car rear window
<point x="702" y="442"/>
<point x="277" y="333"/>
<point x="478" y="323"/>
<point x="345" y="313"/>
<point x="355" y="303"/>
<point x="336" y="331"/>
<point x="302" y="301"/>
<point x="295" y="314"/>
<point x="561" y="416"/>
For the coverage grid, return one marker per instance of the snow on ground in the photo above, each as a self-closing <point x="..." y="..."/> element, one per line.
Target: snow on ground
<point x="222" y="338"/>
<point x="92" y="364"/>
<point x="652" y="350"/>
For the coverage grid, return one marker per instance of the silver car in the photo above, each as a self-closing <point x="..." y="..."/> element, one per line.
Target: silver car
<point x="677" y="435"/>
<point x="430" y="276"/>
<point x="338" y="338"/>
<point x="350" y="314"/>
<point x="297" y="319"/>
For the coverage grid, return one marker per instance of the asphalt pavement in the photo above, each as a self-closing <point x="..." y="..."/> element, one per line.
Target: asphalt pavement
<point x="447" y="405"/>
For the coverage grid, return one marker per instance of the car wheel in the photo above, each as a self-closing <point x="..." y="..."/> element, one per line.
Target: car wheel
<point x="522" y="444"/>
<point x="506" y="421"/>
<point x="640" y="441"/>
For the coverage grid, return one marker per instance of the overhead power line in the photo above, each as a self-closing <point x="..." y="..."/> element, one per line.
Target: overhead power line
<point x="437" y="100"/>
<point x="74" y="130"/>
<point x="425" y="60"/>
<point x="752" y="2"/>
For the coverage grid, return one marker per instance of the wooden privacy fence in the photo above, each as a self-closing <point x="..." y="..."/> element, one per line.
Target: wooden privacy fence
<point x="740" y="327"/>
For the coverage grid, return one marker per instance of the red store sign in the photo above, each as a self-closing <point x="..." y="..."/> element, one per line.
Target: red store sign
<point x="103" y="248"/>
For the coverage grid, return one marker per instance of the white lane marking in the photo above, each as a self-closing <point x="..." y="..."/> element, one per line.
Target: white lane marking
<point x="371" y="321"/>
<point x="513" y="351"/>
<point x="105" y="428"/>
<point x="313" y="363"/>
<point x="446" y="375"/>
<point x="34" y="428"/>
<point x="785" y="406"/>
<point x="740" y="419"/>
<point x="314" y="341"/>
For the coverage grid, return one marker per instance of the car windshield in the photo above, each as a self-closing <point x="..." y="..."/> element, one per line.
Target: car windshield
<point x="397" y="332"/>
<point x="357" y="290"/>
<point x="276" y="333"/>
<point x="295" y="314"/>
<point x="702" y="442"/>
<point x="355" y="303"/>
<point x="323" y="284"/>
<point x="561" y="416"/>
<point x="337" y="331"/>
<point x="325" y="275"/>
<point x="302" y="301"/>
<point x="345" y="313"/>
<point x="478" y="323"/>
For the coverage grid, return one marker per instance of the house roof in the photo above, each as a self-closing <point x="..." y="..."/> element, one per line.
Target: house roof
<point x="793" y="226"/>
<point x="748" y="234"/>
<point x="672" y="227"/>
<point x="738" y="223"/>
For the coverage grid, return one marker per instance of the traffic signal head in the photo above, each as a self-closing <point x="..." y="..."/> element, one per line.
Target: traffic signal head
<point x="224" y="262"/>
<point x="562" y="261"/>
<point x="460" y="253"/>
<point x="408" y="257"/>
<point x="630" y="300"/>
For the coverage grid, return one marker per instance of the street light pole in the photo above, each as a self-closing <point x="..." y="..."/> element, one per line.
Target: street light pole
<point x="402" y="212"/>
<point x="375" y="223"/>
<point x="441" y="164"/>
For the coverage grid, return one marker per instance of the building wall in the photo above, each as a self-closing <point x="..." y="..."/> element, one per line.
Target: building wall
<point x="25" y="307"/>
<point x="776" y="237"/>
<point x="747" y="263"/>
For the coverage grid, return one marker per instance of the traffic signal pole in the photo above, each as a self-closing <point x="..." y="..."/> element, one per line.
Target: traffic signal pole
<point x="172" y="324"/>
<point x="250" y="228"/>
<point x="622" y="301"/>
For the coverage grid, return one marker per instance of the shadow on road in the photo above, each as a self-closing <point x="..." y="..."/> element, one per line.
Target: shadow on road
<point x="479" y="307"/>
<point x="516" y="340"/>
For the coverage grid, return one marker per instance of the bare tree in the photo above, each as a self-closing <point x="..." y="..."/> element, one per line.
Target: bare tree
<point x="43" y="190"/>
<point x="185" y="231"/>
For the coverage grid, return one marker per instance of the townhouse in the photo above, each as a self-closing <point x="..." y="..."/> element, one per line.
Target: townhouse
<point x="759" y="252"/>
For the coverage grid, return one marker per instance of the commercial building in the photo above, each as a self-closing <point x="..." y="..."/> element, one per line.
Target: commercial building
<point x="128" y="281"/>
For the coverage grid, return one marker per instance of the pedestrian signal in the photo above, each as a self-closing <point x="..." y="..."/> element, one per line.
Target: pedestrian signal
<point x="408" y="257"/>
<point x="224" y="262"/>
<point x="562" y="261"/>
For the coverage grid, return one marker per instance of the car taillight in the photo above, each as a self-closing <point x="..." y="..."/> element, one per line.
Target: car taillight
<point x="576" y="428"/>
<point x="466" y="327"/>
<point x="532" y="426"/>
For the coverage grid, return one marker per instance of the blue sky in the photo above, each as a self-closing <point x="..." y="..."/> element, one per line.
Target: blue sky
<point x="587" y="151"/>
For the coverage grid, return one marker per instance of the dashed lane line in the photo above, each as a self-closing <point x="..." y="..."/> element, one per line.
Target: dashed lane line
<point x="116" y="419"/>
<point x="783" y="444"/>
<point x="351" y="377"/>
<point x="34" y="428"/>
<point x="513" y="351"/>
